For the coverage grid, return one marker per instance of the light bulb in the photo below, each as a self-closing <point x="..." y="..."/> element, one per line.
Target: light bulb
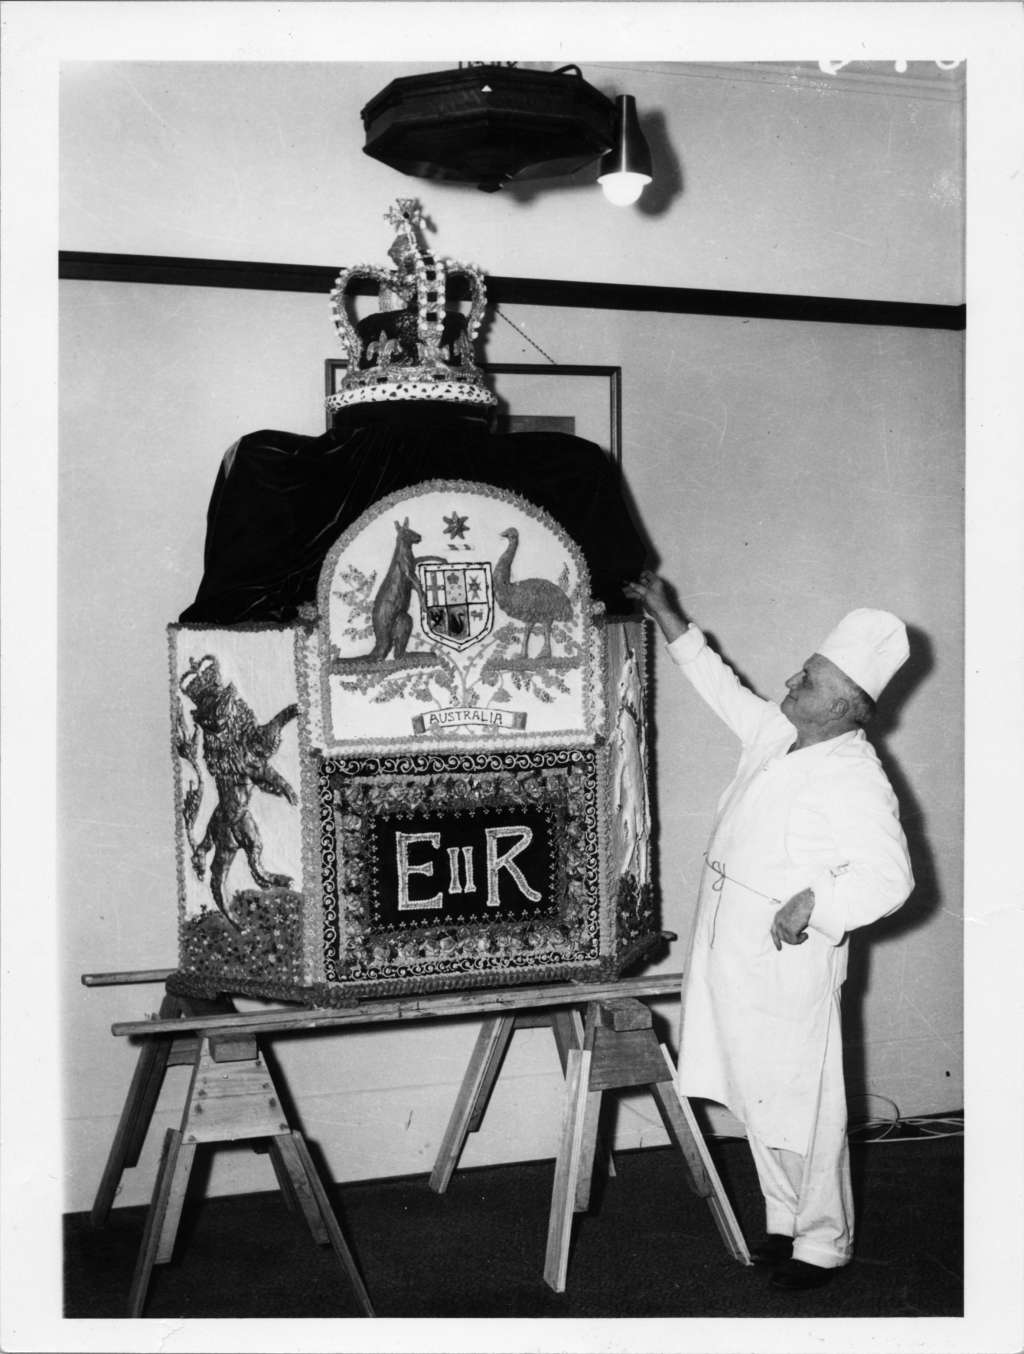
<point x="623" y="188"/>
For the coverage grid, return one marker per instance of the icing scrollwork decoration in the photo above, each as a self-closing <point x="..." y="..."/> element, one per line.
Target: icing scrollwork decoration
<point x="635" y="904"/>
<point x="187" y="747"/>
<point x="629" y="783"/>
<point x="236" y="750"/>
<point x="544" y="911"/>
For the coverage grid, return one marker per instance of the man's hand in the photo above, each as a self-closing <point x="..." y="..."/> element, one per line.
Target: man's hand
<point x="653" y="595"/>
<point x="790" y="924"/>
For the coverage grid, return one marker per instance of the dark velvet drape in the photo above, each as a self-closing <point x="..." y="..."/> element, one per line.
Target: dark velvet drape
<point x="281" y="500"/>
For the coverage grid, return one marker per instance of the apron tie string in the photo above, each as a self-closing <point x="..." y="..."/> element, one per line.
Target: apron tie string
<point x="717" y="868"/>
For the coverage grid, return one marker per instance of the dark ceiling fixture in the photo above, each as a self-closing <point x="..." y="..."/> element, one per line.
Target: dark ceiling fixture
<point x="494" y="124"/>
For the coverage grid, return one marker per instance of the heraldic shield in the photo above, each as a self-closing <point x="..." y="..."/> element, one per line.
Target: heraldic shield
<point x="457" y="601"/>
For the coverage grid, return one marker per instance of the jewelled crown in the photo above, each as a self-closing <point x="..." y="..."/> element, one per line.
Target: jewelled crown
<point x="414" y="347"/>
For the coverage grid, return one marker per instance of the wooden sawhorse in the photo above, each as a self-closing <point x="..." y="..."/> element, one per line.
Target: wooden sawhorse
<point x="615" y="1049"/>
<point x="231" y="1097"/>
<point x="620" y="1049"/>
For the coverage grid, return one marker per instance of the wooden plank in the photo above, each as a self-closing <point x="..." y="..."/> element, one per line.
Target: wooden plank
<point x="177" y="1188"/>
<point x="229" y="1102"/>
<point x="534" y="1020"/>
<point x="567" y="1028"/>
<point x="269" y="1145"/>
<point x="132" y="1126"/>
<point x="437" y="1006"/>
<point x="143" y="1096"/>
<point x="506" y="1025"/>
<point x="667" y="1101"/>
<point x="183" y="1052"/>
<point x="625" y="1058"/>
<point x="711" y="1185"/>
<point x="567" y="1169"/>
<point x="234" y="1048"/>
<point x="154" y="1224"/>
<point x="477" y="1083"/>
<point x="137" y="1114"/>
<point x="588" y="1148"/>
<point x="148" y="975"/>
<point x="623" y="1013"/>
<point x="337" y="1240"/>
<point x="295" y="1185"/>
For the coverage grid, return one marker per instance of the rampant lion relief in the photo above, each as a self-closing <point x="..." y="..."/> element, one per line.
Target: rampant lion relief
<point x="237" y="752"/>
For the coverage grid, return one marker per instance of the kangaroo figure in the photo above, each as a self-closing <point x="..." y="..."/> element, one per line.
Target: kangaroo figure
<point x="392" y="623"/>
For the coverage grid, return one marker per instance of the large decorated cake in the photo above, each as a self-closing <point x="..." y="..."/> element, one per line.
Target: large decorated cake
<point x="409" y="713"/>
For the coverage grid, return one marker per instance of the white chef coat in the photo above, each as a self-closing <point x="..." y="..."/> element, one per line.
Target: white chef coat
<point x="757" y="1023"/>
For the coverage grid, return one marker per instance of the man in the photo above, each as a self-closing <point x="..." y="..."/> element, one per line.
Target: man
<point x="806" y="846"/>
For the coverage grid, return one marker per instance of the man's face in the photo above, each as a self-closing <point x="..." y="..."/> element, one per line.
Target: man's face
<point x="812" y="694"/>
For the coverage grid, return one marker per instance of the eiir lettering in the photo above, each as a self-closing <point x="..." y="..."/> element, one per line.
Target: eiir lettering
<point x="461" y="876"/>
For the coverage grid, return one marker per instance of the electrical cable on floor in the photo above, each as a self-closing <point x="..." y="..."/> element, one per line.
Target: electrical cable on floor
<point x="869" y="1130"/>
<point x="914" y="1129"/>
<point x="897" y="1128"/>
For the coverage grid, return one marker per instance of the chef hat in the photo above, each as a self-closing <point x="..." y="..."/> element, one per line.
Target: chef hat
<point x="869" y="646"/>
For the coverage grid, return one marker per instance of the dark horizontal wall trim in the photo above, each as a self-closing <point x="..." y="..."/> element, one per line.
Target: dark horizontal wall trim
<point x="529" y="291"/>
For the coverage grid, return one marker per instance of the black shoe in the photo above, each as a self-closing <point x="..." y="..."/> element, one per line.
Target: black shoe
<point x="772" y="1250"/>
<point x="797" y="1275"/>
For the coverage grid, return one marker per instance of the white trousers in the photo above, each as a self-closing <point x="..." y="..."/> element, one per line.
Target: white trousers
<point x="809" y="1197"/>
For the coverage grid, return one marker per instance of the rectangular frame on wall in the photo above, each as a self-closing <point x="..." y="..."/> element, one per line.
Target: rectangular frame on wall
<point x="590" y="395"/>
<point x="580" y="398"/>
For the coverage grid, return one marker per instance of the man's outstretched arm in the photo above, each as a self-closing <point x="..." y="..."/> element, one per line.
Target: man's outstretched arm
<point x="708" y="674"/>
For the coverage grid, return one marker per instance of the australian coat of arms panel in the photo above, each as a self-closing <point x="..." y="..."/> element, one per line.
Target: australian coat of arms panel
<point x="456" y="612"/>
<point x="436" y="778"/>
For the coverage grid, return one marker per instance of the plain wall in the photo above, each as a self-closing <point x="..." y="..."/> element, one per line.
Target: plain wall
<point x="775" y="501"/>
<point x="765" y="179"/>
<point x="783" y="471"/>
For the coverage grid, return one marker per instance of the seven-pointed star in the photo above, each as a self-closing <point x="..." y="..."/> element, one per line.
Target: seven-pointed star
<point x="455" y="526"/>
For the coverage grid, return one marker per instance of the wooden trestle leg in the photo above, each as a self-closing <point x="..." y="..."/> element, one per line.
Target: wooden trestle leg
<point x="620" y="1049"/>
<point x="489" y="1051"/>
<point x="155" y="1056"/>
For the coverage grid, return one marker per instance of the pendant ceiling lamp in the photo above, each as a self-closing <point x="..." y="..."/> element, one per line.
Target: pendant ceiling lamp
<point x="626" y="169"/>
<point x="492" y="124"/>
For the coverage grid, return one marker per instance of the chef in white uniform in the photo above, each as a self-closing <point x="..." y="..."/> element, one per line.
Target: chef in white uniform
<point x="806" y="846"/>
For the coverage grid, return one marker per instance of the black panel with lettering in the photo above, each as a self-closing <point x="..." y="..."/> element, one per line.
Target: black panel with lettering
<point x="434" y="867"/>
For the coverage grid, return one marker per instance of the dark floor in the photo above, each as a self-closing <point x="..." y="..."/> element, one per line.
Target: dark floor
<point x="647" y="1248"/>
